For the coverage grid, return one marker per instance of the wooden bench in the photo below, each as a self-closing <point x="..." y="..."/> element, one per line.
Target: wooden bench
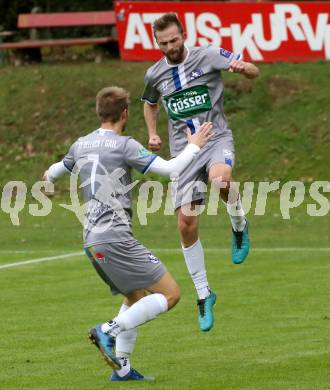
<point x="64" y="19"/>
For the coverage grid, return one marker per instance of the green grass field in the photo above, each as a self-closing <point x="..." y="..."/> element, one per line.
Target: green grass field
<point x="272" y="319"/>
<point x="272" y="327"/>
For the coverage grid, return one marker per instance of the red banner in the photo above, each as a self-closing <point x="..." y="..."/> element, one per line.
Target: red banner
<point x="267" y="32"/>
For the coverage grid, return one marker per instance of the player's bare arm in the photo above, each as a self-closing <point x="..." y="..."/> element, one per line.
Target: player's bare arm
<point x="248" y="69"/>
<point x="150" y="117"/>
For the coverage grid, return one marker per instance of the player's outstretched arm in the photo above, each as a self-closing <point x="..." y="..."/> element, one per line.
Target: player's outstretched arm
<point x="55" y="171"/>
<point x="248" y="69"/>
<point x="150" y="116"/>
<point x="179" y="163"/>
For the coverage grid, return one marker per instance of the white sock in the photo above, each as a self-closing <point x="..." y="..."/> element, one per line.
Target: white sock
<point x="125" y="341"/>
<point x="194" y="258"/>
<point x="125" y="366"/>
<point x="146" y="309"/>
<point x="111" y="328"/>
<point x="236" y="214"/>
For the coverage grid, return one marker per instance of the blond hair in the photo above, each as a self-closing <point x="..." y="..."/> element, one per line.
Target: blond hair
<point x="110" y="103"/>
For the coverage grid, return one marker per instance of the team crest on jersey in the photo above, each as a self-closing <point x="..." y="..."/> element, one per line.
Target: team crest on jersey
<point x="153" y="259"/>
<point x="196" y="73"/>
<point x="143" y="153"/>
<point x="225" y="53"/>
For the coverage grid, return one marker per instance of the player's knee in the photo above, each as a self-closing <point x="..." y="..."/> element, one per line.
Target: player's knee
<point x="173" y="297"/>
<point x="187" y="225"/>
<point x="133" y="297"/>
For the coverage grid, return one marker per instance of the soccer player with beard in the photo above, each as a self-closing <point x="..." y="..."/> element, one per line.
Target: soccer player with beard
<point x="188" y="82"/>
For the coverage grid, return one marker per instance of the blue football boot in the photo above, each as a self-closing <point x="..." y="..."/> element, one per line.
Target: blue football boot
<point x="106" y="345"/>
<point x="205" y="315"/>
<point x="240" y="245"/>
<point x="132" y="375"/>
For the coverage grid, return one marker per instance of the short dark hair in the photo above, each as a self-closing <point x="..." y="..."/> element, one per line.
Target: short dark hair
<point x="165" y="21"/>
<point x="110" y="103"/>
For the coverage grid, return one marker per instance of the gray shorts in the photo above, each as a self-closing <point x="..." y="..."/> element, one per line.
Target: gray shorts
<point x="191" y="184"/>
<point x="125" y="266"/>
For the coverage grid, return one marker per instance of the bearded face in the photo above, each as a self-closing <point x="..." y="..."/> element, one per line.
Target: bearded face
<point x="171" y="43"/>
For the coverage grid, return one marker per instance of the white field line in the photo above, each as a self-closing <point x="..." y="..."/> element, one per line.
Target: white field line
<point x="164" y="250"/>
<point x="25" y="251"/>
<point x="40" y="260"/>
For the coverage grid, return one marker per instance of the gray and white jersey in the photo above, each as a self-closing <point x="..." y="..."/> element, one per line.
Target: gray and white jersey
<point x="191" y="92"/>
<point x="104" y="161"/>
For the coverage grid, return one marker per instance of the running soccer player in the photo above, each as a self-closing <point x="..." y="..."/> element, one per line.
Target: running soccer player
<point x="104" y="159"/>
<point x="189" y="83"/>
